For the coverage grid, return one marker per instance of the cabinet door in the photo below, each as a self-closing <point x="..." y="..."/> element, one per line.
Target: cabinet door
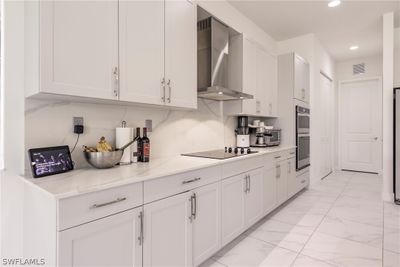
<point x="272" y="86"/>
<point x="262" y="68"/>
<point x="250" y="106"/>
<point x="168" y="232"/>
<point x="232" y="207"/>
<point x="293" y="184"/>
<point x="141" y="44"/>
<point x="180" y="54"/>
<point x="269" y="190"/>
<point x="110" y="241"/>
<point x="79" y="48"/>
<point x="207" y="222"/>
<point x="254" y="197"/>
<point x="301" y="79"/>
<point x="281" y="181"/>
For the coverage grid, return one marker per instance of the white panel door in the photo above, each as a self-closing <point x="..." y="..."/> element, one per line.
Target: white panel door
<point x="79" y="48"/>
<point x="254" y="197"/>
<point x="281" y="176"/>
<point x="180" y="53"/>
<point x="110" y="241"/>
<point x="360" y="125"/>
<point x="232" y="207"/>
<point x="207" y="222"/>
<point x="141" y="44"/>
<point x="269" y="190"/>
<point x="168" y="232"/>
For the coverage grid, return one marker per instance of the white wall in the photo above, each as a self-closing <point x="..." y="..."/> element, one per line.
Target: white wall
<point x="387" y="114"/>
<point x="309" y="47"/>
<point x="373" y="68"/>
<point x="397" y="57"/>
<point x="12" y="128"/>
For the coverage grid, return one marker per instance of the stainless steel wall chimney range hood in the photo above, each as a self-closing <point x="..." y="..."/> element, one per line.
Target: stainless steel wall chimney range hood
<point x="212" y="62"/>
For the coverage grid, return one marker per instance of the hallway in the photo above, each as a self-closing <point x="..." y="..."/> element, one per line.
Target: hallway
<point x="340" y="222"/>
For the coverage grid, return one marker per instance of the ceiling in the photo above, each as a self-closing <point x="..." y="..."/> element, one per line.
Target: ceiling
<point x="352" y="23"/>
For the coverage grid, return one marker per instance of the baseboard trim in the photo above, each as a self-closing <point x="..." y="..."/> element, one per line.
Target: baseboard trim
<point x="387" y="197"/>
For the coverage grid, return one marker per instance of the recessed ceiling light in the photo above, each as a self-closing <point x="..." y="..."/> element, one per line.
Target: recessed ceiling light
<point x="354" y="47"/>
<point x="334" y="3"/>
<point x="220" y="93"/>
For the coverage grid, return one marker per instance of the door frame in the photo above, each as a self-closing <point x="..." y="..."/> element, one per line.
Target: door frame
<point x="332" y="122"/>
<point x="339" y="116"/>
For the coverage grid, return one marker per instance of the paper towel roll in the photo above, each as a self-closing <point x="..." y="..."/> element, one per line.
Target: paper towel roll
<point x="122" y="137"/>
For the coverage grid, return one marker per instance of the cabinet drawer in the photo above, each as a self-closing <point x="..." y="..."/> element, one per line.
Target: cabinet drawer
<point x="242" y="165"/>
<point x="88" y="207"/>
<point x="297" y="183"/>
<point x="174" y="184"/>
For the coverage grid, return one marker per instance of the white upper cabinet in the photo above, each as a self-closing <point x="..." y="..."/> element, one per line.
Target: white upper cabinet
<point x="79" y="48"/>
<point x="180" y="54"/>
<point x="132" y="51"/>
<point x="253" y="71"/>
<point x="301" y="79"/>
<point x="110" y="241"/>
<point x="141" y="46"/>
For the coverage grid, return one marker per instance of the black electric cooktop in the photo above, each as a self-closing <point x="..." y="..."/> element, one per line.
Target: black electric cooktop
<point x="222" y="153"/>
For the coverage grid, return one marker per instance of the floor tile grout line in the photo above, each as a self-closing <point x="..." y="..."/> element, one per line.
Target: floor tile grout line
<point x="339" y="195"/>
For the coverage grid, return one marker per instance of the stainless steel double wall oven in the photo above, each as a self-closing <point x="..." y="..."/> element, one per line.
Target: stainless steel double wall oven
<point x="302" y="137"/>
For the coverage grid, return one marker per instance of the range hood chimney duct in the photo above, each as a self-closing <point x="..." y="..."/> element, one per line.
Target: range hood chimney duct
<point x="212" y="62"/>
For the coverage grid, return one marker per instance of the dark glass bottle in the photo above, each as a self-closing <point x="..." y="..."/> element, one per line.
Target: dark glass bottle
<point x="139" y="145"/>
<point x="145" y="147"/>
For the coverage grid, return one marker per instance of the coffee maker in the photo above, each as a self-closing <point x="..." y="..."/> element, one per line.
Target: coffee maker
<point x="242" y="132"/>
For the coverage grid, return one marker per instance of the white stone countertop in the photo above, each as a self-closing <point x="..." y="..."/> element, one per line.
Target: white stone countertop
<point x="89" y="180"/>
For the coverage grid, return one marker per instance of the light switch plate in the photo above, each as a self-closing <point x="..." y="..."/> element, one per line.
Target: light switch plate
<point x="149" y="125"/>
<point x="77" y="121"/>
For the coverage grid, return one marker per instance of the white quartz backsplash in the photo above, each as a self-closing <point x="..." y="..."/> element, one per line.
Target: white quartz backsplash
<point x="49" y="123"/>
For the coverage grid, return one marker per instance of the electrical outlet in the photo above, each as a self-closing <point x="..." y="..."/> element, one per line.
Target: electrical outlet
<point x="149" y="125"/>
<point x="77" y="121"/>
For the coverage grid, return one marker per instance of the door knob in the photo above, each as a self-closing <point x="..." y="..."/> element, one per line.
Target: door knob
<point x="375" y="138"/>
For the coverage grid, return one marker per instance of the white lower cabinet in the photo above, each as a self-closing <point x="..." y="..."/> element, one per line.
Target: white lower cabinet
<point x="232" y="207"/>
<point x="168" y="231"/>
<point x="281" y="175"/>
<point x="241" y="203"/>
<point x="110" y="241"/>
<point x="206" y="222"/>
<point x="269" y="190"/>
<point x="254" y="197"/>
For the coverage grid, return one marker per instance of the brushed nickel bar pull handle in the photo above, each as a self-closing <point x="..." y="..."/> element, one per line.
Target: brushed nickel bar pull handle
<point x="169" y="91"/>
<point x="249" y="182"/>
<point x="116" y="79"/>
<point x="278" y="171"/>
<point x="140" y="238"/>
<point x="191" y="181"/>
<point x="163" y="87"/>
<point x="95" y="206"/>
<point x="191" y="208"/>
<point x="195" y="206"/>
<point x="277" y="157"/>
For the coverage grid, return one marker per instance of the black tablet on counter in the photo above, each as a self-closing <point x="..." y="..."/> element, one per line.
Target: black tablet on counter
<point x="50" y="160"/>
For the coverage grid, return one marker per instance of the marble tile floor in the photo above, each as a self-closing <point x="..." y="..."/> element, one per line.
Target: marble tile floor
<point x="340" y="222"/>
